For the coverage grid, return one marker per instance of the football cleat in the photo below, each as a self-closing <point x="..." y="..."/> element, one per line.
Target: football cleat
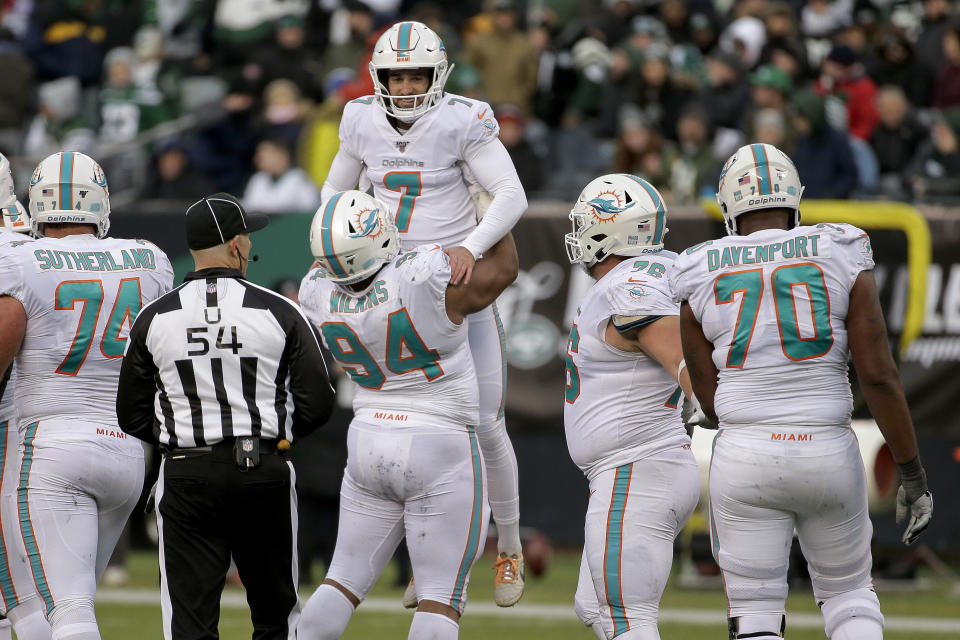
<point x="508" y="584"/>
<point x="410" y="596"/>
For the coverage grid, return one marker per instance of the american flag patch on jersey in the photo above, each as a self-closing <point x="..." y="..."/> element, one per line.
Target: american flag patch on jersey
<point x="643" y="226"/>
<point x="46" y="192"/>
<point x="744" y="180"/>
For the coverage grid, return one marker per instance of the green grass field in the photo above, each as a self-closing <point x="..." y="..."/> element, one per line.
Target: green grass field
<point x="556" y="587"/>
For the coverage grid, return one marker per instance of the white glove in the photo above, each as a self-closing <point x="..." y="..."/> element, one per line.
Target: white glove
<point x="693" y="416"/>
<point x="913" y="495"/>
<point x="921" y="510"/>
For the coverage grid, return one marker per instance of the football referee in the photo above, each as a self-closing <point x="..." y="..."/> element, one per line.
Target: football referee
<point x="224" y="376"/>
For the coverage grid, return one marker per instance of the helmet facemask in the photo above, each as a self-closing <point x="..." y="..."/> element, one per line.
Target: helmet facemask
<point x="409" y="45"/>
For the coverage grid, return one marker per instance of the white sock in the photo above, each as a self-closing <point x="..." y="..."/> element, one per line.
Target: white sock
<point x="29" y="621"/>
<point x="326" y="614"/>
<point x="500" y="462"/>
<point x="858" y="629"/>
<point x="433" y="626"/>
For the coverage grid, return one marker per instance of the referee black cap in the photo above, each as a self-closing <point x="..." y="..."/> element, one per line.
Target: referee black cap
<point x="215" y="219"/>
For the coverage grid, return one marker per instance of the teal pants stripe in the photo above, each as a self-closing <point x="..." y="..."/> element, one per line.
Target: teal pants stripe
<point x="476" y="522"/>
<point x="26" y="527"/>
<point x="614" y="548"/>
<point x="7" y="589"/>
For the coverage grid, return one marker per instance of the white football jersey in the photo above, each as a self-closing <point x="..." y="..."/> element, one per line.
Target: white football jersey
<point x="397" y="343"/>
<point x="620" y="407"/>
<point x="774" y="305"/>
<point x="8" y="240"/>
<point x="417" y="173"/>
<point x="80" y="295"/>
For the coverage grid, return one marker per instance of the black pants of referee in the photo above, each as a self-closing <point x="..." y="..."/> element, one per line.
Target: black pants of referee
<point x="209" y="510"/>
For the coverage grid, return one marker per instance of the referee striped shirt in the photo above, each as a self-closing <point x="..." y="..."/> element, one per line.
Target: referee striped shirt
<point x="220" y="357"/>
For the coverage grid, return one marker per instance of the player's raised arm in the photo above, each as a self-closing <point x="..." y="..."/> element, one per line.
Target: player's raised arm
<point x="883" y="391"/>
<point x="492" y="167"/>
<point x="347" y="166"/>
<point x="491" y="275"/>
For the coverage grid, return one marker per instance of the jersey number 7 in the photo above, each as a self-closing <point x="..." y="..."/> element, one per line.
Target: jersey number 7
<point x="784" y="280"/>
<point x="126" y="306"/>
<point x="409" y="185"/>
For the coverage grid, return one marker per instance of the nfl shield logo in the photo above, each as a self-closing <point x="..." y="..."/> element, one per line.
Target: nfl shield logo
<point x="247" y="445"/>
<point x="212" y="287"/>
<point x="402" y="145"/>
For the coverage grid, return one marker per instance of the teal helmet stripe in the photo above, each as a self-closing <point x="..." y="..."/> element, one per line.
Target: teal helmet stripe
<point x="326" y="235"/>
<point x="66" y="181"/>
<point x="760" y="160"/>
<point x="657" y="202"/>
<point x="403" y="39"/>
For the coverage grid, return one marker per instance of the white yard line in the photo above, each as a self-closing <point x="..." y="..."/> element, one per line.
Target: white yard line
<point x="701" y="617"/>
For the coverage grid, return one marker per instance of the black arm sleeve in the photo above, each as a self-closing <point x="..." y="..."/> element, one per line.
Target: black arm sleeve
<point x="136" y="389"/>
<point x="313" y="395"/>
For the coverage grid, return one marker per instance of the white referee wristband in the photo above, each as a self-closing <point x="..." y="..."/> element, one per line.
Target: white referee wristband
<point x="680" y="368"/>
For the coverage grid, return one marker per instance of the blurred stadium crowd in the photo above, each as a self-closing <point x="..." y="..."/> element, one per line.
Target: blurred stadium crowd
<point x="180" y="97"/>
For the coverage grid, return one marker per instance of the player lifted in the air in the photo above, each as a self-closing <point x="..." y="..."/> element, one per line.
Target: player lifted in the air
<point x="414" y="468"/>
<point x="770" y="316"/>
<point x="67" y="301"/>
<point x="625" y="387"/>
<point x="424" y="152"/>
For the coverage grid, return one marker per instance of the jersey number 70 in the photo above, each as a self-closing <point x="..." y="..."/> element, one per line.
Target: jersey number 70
<point x="783" y="280"/>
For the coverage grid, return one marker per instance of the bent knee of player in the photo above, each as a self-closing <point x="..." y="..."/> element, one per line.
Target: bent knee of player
<point x="859" y="608"/>
<point x="73" y="616"/>
<point x="586" y="610"/>
<point x="756" y="586"/>
<point x="428" y="605"/>
<point x="641" y="632"/>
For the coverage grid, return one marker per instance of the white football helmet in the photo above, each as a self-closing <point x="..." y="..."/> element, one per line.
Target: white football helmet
<point x="758" y="176"/>
<point x="69" y="187"/>
<point x="409" y="45"/>
<point x="352" y="235"/>
<point x="15" y="216"/>
<point x="616" y="214"/>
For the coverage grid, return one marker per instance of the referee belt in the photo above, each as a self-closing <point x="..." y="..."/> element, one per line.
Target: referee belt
<point x="221" y="451"/>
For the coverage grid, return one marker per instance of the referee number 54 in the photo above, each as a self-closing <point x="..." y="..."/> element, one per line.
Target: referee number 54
<point x="197" y="336"/>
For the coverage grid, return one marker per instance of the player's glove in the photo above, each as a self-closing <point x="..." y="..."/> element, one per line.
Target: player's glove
<point x="693" y="416"/>
<point x="914" y="496"/>
<point x="151" y="502"/>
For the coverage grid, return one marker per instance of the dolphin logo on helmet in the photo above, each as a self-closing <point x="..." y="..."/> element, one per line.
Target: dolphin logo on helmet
<point x="616" y="214"/>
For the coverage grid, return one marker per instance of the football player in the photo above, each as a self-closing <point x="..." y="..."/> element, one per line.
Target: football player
<point x="414" y="468"/>
<point x="769" y="316"/>
<point x="622" y="411"/>
<point x="425" y="152"/>
<point x="67" y="301"/>
<point x="19" y="600"/>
